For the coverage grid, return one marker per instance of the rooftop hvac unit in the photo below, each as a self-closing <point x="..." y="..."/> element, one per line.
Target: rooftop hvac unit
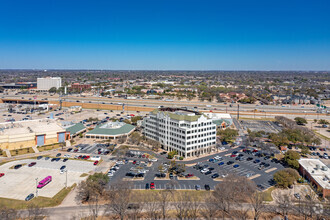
<point x="317" y="166"/>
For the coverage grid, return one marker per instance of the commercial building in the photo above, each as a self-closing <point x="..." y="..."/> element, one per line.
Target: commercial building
<point x="111" y="130"/>
<point x="317" y="173"/>
<point x="80" y="87"/>
<point x="222" y="120"/>
<point x="47" y="83"/>
<point x="75" y="130"/>
<point x="24" y="134"/>
<point x="190" y="133"/>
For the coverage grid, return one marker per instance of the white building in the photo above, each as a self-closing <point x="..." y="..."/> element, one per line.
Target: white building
<point x="48" y="83"/>
<point x="190" y="133"/>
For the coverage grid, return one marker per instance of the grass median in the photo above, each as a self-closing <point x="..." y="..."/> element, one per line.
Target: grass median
<point x="39" y="201"/>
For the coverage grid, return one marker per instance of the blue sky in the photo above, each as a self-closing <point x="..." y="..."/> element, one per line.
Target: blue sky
<point x="165" y="34"/>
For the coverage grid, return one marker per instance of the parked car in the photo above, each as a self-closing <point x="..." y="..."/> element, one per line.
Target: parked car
<point x="2" y="174"/>
<point x="152" y="185"/>
<point x="189" y="175"/>
<point x="96" y="162"/>
<point x="215" y="176"/>
<point x="207" y="187"/>
<point x="39" y="157"/>
<point x="297" y="195"/>
<point x="29" y="197"/>
<point x="197" y="187"/>
<point x="58" y="155"/>
<point x="147" y="186"/>
<point x="32" y="164"/>
<point x="65" y="159"/>
<point x="63" y="167"/>
<point x="221" y="163"/>
<point x="17" y="166"/>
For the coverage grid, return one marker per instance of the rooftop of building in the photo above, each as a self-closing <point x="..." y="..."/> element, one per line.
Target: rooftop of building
<point x="179" y="114"/>
<point x="40" y="126"/>
<point x="112" y="129"/>
<point x="76" y="128"/>
<point x="318" y="170"/>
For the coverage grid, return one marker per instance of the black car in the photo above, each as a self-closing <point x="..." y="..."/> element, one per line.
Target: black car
<point x="59" y="154"/>
<point x="58" y="159"/>
<point x="65" y="159"/>
<point x="215" y="176"/>
<point x="266" y="158"/>
<point x="46" y="158"/>
<point x="69" y="150"/>
<point x="261" y="187"/>
<point x="267" y="165"/>
<point x="39" y="157"/>
<point x="211" y="168"/>
<point x="208" y="173"/>
<point x="249" y="158"/>
<point x="171" y="175"/>
<point x="207" y="187"/>
<point x="29" y="197"/>
<point x="230" y="162"/>
<point x="17" y="166"/>
<point x="147" y="186"/>
<point x="62" y="167"/>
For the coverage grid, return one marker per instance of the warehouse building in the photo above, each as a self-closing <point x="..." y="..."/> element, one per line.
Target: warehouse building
<point x="47" y="83"/>
<point x="188" y="132"/>
<point x="317" y="173"/>
<point x="24" y="134"/>
<point x="111" y="130"/>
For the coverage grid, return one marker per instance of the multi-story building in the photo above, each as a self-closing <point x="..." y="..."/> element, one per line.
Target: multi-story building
<point x="48" y="83"/>
<point x="190" y="133"/>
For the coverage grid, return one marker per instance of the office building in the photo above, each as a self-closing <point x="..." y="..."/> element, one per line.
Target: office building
<point x="47" y="83"/>
<point x="190" y="133"/>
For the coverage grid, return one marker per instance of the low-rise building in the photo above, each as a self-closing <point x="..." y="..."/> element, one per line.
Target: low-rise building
<point x="188" y="132"/>
<point x="24" y="134"/>
<point x="317" y="173"/>
<point x="111" y="130"/>
<point x="80" y="87"/>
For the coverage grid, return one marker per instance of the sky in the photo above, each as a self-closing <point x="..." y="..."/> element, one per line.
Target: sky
<point x="165" y="34"/>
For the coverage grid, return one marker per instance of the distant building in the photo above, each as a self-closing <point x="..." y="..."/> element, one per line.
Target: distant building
<point x="49" y="82"/>
<point x="317" y="173"/>
<point x="222" y="120"/>
<point x="190" y="133"/>
<point x="80" y="87"/>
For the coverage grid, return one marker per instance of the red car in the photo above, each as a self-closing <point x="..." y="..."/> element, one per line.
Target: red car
<point x="32" y="164"/>
<point x="134" y="162"/>
<point x="2" y="174"/>
<point x="189" y="175"/>
<point x="152" y="185"/>
<point x="96" y="162"/>
<point x="233" y="155"/>
<point x="87" y="157"/>
<point x="255" y="150"/>
<point x="143" y="156"/>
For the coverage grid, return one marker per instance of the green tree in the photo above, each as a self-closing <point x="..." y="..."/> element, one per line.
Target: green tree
<point x="171" y="154"/>
<point x="52" y="90"/>
<point x="291" y="158"/>
<point x="300" y="121"/>
<point x="285" y="178"/>
<point x="228" y="134"/>
<point x="323" y="122"/>
<point x="135" y="119"/>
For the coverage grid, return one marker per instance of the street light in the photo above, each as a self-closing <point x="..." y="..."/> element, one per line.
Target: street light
<point x="36" y="187"/>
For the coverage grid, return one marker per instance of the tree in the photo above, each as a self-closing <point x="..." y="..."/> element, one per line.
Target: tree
<point x="300" y="121"/>
<point x="258" y="204"/>
<point x="35" y="213"/>
<point x="135" y="119"/>
<point x="118" y="197"/>
<point x="291" y="158"/>
<point x="227" y="135"/>
<point x="171" y="154"/>
<point x="285" y="178"/>
<point x="323" y="122"/>
<point x="284" y="202"/>
<point x="52" y="90"/>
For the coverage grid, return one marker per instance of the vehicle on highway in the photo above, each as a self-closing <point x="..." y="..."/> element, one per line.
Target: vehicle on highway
<point x="29" y="197"/>
<point x="39" y="157"/>
<point x="58" y="155"/>
<point x="17" y="166"/>
<point x="44" y="182"/>
<point x="32" y="164"/>
<point x="152" y="185"/>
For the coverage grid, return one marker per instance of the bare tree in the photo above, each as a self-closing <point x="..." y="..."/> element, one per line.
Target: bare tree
<point x="7" y="213"/>
<point x="163" y="198"/>
<point x="182" y="206"/>
<point x="152" y="206"/>
<point x="284" y="203"/>
<point x="258" y="204"/>
<point x="119" y="198"/>
<point x="241" y="213"/>
<point x="35" y="212"/>
<point x="209" y="210"/>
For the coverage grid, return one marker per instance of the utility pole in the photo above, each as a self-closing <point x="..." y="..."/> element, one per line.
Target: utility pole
<point x="237" y="111"/>
<point x="36" y="187"/>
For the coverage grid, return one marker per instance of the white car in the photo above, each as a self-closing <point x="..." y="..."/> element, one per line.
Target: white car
<point x="204" y="170"/>
<point x="153" y="159"/>
<point x="119" y="162"/>
<point x="217" y="157"/>
<point x="110" y="174"/>
<point x="62" y="171"/>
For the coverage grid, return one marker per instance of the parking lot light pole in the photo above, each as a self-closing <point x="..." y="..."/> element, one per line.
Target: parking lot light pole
<point x="66" y="179"/>
<point x="36" y="187"/>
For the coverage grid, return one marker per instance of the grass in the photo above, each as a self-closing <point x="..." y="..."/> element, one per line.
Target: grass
<point x="321" y="136"/>
<point x="3" y="153"/>
<point x="84" y="175"/>
<point x="22" y="151"/>
<point x="268" y="194"/>
<point x="48" y="147"/>
<point x="39" y="201"/>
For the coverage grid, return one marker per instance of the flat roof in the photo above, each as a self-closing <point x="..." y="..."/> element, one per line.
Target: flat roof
<point x="40" y="126"/>
<point x="179" y="114"/>
<point x="318" y="170"/>
<point x="76" y="128"/>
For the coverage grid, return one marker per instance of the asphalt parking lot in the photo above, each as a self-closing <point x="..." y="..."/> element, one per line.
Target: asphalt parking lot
<point x="262" y="177"/>
<point x="18" y="183"/>
<point x="266" y="126"/>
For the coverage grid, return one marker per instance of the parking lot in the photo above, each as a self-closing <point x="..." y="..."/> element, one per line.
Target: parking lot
<point x="261" y="176"/>
<point x="266" y="126"/>
<point x="18" y="183"/>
